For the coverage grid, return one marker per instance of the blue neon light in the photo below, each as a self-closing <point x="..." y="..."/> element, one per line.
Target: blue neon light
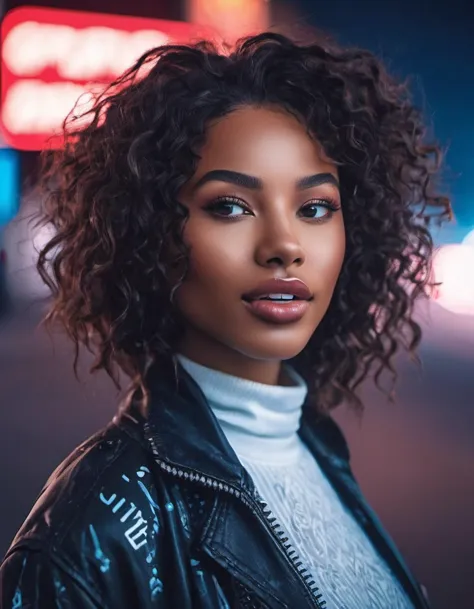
<point x="9" y="184"/>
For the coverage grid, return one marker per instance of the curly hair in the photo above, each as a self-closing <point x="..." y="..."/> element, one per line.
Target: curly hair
<point x="111" y="194"/>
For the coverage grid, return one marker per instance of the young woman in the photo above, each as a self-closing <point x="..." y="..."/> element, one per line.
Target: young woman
<point x="244" y="234"/>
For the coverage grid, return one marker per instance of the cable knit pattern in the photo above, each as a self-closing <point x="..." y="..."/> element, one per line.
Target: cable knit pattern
<point x="261" y="424"/>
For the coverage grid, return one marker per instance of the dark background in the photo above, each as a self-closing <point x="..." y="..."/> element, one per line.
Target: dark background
<point x="415" y="458"/>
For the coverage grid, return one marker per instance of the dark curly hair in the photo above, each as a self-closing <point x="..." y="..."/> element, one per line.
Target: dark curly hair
<point x="111" y="191"/>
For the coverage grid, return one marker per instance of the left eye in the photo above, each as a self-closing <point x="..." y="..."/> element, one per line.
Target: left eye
<point x="316" y="211"/>
<point x="229" y="206"/>
<point x="234" y="209"/>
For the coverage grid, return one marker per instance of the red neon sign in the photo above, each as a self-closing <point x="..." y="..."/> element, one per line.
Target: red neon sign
<point x="51" y="58"/>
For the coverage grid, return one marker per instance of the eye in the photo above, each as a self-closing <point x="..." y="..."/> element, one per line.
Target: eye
<point x="232" y="205"/>
<point x="320" y="210"/>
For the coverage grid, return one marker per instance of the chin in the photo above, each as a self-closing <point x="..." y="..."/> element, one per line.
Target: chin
<point x="273" y="350"/>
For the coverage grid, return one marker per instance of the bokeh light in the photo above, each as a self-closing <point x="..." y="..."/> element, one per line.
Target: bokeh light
<point x="469" y="239"/>
<point x="454" y="269"/>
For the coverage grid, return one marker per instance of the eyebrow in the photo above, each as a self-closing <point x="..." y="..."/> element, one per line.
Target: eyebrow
<point x="254" y="183"/>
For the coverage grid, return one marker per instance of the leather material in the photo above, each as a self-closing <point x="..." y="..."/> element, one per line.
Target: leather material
<point x="157" y="512"/>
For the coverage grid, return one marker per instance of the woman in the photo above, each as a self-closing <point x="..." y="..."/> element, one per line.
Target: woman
<point x="245" y="235"/>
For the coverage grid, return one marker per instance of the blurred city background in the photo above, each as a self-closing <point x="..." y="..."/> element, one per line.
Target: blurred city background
<point x="415" y="458"/>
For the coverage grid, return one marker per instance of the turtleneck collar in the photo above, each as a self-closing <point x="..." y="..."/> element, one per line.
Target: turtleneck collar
<point x="260" y="421"/>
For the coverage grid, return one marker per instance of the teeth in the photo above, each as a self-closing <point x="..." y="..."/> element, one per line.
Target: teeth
<point x="278" y="297"/>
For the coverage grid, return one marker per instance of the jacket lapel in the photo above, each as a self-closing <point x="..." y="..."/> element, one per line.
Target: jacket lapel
<point x="240" y="542"/>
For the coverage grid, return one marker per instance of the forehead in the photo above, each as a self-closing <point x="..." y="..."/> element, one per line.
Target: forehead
<point x="261" y="140"/>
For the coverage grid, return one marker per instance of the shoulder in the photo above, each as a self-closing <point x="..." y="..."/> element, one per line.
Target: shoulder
<point x="97" y="478"/>
<point x="101" y="522"/>
<point x="100" y="507"/>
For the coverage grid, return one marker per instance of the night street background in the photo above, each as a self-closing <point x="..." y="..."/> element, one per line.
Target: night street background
<point x="415" y="458"/>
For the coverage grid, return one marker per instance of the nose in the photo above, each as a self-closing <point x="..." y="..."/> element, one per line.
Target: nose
<point x="279" y="246"/>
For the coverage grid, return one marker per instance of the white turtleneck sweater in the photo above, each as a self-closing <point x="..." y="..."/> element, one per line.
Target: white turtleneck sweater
<point x="261" y="424"/>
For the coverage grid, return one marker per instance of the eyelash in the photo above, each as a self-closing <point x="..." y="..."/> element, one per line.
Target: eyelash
<point x="328" y="204"/>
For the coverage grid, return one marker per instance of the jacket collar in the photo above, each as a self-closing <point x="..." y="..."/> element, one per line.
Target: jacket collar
<point x="184" y="427"/>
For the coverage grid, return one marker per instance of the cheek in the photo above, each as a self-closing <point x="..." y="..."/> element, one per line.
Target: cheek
<point x="210" y="266"/>
<point x="336" y="261"/>
<point x="326" y="256"/>
<point x="214" y="263"/>
<point x="217" y="251"/>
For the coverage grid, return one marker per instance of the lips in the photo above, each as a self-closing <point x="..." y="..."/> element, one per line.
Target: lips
<point x="291" y="286"/>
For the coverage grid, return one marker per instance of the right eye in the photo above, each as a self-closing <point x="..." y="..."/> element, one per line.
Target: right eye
<point x="228" y="203"/>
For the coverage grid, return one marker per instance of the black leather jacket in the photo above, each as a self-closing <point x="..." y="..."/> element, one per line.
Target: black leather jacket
<point x="158" y="512"/>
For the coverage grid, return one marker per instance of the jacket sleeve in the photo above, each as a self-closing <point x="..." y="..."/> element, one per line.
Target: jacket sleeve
<point x="33" y="580"/>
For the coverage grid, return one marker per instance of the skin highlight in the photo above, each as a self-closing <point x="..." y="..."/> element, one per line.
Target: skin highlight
<point x="272" y="237"/>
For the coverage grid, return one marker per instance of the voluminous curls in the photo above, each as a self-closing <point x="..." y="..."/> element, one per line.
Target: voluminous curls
<point x="111" y="195"/>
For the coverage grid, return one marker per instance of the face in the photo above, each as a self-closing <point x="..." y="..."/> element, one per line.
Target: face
<point x="264" y="203"/>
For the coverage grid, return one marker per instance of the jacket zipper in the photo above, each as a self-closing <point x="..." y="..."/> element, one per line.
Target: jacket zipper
<point x="269" y="521"/>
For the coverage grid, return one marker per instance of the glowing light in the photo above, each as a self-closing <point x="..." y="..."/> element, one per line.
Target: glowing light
<point x="9" y="184"/>
<point x="454" y="269"/>
<point x="44" y="106"/>
<point x="231" y="18"/>
<point x="469" y="239"/>
<point x="77" y="54"/>
<point x="52" y="57"/>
